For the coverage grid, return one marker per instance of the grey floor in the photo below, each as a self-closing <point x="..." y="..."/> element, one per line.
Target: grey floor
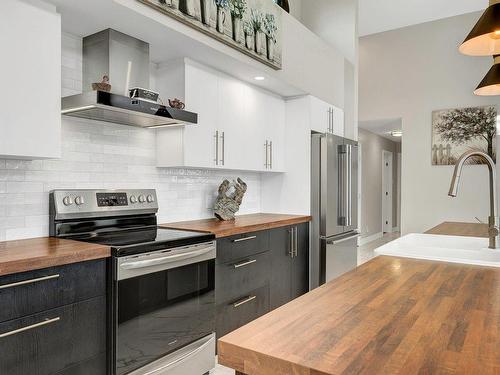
<point x="365" y="253"/>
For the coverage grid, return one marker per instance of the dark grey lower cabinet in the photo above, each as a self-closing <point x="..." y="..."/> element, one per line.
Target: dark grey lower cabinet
<point x="70" y="336"/>
<point x="258" y="272"/>
<point x="290" y="263"/>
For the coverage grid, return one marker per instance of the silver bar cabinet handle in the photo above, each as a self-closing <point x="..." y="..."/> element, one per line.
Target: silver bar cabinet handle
<point x="267" y="158"/>
<point x="270" y="154"/>
<point x="245" y="239"/>
<point x="216" y="147"/>
<point x="242" y="302"/>
<point x="246" y="263"/>
<point x="27" y="328"/>
<point x="292" y="251"/>
<point x="223" y="148"/>
<point x="296" y="238"/>
<point x="31" y="281"/>
<point x="329" y="119"/>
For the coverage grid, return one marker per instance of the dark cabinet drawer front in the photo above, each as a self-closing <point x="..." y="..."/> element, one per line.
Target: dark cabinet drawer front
<point x="234" y="279"/>
<point x="92" y="366"/>
<point x="31" y="292"/>
<point x="239" y="312"/>
<point x="241" y="246"/>
<point x="70" y="335"/>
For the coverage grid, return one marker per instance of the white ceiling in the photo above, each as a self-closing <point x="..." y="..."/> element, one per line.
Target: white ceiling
<point x="383" y="127"/>
<point x="376" y="16"/>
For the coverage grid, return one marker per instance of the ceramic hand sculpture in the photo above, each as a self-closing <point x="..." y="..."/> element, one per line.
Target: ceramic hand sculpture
<point x="229" y="199"/>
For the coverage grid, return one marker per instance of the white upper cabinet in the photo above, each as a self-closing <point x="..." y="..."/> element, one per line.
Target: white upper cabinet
<point x="235" y="122"/>
<point x="30" y="115"/>
<point x="325" y="117"/>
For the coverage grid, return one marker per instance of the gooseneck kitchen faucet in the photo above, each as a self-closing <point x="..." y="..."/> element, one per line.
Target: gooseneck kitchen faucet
<point x="493" y="221"/>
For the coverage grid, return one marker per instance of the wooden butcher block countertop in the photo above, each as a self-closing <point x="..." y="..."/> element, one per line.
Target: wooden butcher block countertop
<point x="388" y="316"/>
<point x="37" y="253"/>
<point x="461" y="229"/>
<point x="242" y="224"/>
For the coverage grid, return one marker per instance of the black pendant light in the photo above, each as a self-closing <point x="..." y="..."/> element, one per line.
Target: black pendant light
<point x="490" y="85"/>
<point x="484" y="39"/>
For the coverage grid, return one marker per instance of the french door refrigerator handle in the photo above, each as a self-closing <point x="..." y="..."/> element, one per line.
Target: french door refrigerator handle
<point x="349" y="185"/>
<point x="342" y="155"/>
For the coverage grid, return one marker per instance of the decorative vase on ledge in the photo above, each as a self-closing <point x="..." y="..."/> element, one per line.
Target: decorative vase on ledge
<point x="270" y="48"/>
<point x="236" y="29"/>
<point x="205" y="11"/>
<point x="221" y="19"/>
<point x="187" y="7"/>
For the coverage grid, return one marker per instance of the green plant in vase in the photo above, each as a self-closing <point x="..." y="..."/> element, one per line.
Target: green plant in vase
<point x="257" y="21"/>
<point x="222" y="6"/>
<point x="237" y="9"/>
<point x="249" y="34"/>
<point x="270" y="29"/>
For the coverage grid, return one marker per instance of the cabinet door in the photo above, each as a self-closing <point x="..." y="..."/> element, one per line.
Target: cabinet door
<point x="30" y="119"/>
<point x="338" y="121"/>
<point x="281" y="265"/>
<point x="201" y="97"/>
<point x="300" y="264"/>
<point x="53" y="340"/>
<point x="320" y="115"/>
<point x="275" y="133"/>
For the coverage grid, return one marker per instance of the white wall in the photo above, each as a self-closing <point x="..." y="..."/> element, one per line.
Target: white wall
<point x="101" y="155"/>
<point x="408" y="73"/>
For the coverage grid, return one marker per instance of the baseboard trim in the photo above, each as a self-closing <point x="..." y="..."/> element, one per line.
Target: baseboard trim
<point x="364" y="240"/>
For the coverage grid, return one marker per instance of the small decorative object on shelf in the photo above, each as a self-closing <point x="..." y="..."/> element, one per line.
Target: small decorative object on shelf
<point x="222" y="6"/>
<point x="229" y="199"/>
<point x="170" y="3"/>
<point x="249" y="35"/>
<point x="103" y="85"/>
<point x="283" y="4"/>
<point x="257" y="21"/>
<point x="270" y="31"/>
<point x="205" y="11"/>
<point x="176" y="103"/>
<point x="238" y="9"/>
<point x="187" y="7"/>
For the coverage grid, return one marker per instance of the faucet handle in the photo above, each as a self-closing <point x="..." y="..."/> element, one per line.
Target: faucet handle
<point x="479" y="220"/>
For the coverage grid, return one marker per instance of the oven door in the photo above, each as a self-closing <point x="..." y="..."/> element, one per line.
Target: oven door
<point x="164" y="304"/>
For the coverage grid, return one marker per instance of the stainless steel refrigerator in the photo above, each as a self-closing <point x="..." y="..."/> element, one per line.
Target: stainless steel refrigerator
<point x="334" y="207"/>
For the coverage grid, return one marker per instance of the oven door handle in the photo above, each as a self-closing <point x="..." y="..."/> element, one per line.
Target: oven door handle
<point x="163" y="260"/>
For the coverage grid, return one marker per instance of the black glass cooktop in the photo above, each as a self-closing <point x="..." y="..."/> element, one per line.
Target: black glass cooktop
<point x="141" y="240"/>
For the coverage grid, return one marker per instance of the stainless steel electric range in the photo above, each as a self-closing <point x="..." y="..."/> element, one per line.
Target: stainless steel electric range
<point x="162" y="284"/>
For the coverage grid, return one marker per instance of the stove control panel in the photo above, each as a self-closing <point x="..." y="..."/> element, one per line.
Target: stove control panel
<point x="90" y="203"/>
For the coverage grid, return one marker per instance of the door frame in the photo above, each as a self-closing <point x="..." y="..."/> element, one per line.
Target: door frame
<point x="387" y="190"/>
<point x="360" y="187"/>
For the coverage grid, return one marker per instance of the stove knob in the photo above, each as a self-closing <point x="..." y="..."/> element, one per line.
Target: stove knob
<point x="151" y="199"/>
<point x="142" y="198"/>
<point x="67" y="201"/>
<point x="79" y="201"/>
<point x="133" y="199"/>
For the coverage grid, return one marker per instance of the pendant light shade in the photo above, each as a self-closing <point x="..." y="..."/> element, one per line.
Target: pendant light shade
<point x="484" y="39"/>
<point x="490" y="85"/>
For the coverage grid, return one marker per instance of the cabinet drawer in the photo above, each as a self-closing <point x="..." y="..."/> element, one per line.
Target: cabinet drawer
<point x="49" y="342"/>
<point x="243" y="310"/>
<point x="95" y="366"/>
<point x="234" y="279"/>
<point x="241" y="246"/>
<point x="28" y="293"/>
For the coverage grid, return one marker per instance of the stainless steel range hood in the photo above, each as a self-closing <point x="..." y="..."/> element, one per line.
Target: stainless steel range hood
<point x="126" y="61"/>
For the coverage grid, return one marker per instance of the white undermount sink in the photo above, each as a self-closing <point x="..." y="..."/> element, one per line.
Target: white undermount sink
<point x="455" y="249"/>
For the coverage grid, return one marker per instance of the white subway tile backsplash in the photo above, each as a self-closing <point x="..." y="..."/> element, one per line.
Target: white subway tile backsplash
<point x="98" y="155"/>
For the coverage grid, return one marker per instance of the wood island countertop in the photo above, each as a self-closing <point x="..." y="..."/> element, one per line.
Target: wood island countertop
<point x="388" y="316"/>
<point x="460" y="229"/>
<point x="241" y="224"/>
<point x="31" y="254"/>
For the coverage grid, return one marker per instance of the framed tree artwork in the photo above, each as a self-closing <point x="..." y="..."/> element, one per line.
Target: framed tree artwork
<point x="455" y="131"/>
<point x="253" y="27"/>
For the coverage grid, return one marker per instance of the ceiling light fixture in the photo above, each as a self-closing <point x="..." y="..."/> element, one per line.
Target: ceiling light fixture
<point x="259" y="78"/>
<point x="397" y="133"/>
<point x="484" y="39"/>
<point x="490" y="85"/>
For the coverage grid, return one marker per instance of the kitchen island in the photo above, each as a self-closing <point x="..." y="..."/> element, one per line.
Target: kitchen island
<point x="388" y="316"/>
